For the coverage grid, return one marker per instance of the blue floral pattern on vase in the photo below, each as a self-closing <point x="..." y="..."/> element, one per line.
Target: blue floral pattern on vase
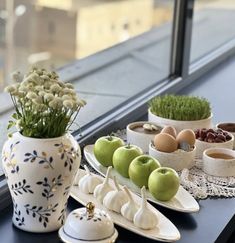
<point x="18" y="215"/>
<point x="9" y="158"/>
<point x="42" y="159"/>
<point x="21" y="187"/>
<point x="50" y="188"/>
<point x="40" y="176"/>
<point x="41" y="213"/>
<point x="68" y="154"/>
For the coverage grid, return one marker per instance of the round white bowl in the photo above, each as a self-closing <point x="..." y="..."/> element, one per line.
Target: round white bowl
<point x="219" y="167"/>
<point x="202" y="146"/>
<point x="141" y="140"/>
<point x="180" y="125"/>
<point x="233" y="133"/>
<point x="177" y="160"/>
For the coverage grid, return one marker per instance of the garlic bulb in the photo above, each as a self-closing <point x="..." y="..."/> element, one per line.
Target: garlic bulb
<point x="88" y="182"/>
<point x="145" y="218"/>
<point x="115" y="199"/>
<point x="130" y="208"/>
<point x="102" y="189"/>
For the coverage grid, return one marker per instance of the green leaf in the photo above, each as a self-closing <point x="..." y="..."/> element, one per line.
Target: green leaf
<point x="15" y="116"/>
<point x="10" y="124"/>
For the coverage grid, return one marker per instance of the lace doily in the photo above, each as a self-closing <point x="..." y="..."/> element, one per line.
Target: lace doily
<point x="198" y="183"/>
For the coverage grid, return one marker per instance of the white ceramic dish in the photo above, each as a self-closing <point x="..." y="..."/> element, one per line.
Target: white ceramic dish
<point x="219" y="167"/>
<point x="233" y="133"/>
<point x="165" y="230"/>
<point x="202" y="146"/>
<point x="88" y="224"/>
<point x="180" y="125"/>
<point x="141" y="140"/>
<point x="177" y="160"/>
<point x="182" y="201"/>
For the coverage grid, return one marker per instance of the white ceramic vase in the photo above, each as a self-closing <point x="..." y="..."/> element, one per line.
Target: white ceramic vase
<point x="40" y="173"/>
<point x="180" y="125"/>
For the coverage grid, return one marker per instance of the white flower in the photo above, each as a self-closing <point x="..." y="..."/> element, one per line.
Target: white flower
<point x="23" y="88"/>
<point x="56" y="103"/>
<point x="66" y="97"/>
<point x="37" y="100"/>
<point x="69" y="104"/>
<point x="41" y="93"/>
<point x="32" y="78"/>
<point x="81" y="102"/>
<point x="16" y="76"/>
<point x="20" y="94"/>
<point x="68" y="91"/>
<point x="45" y="77"/>
<point x="61" y="84"/>
<point x="55" y="88"/>
<point x="38" y="71"/>
<point x="54" y="75"/>
<point x="10" y="89"/>
<point x="41" y="107"/>
<point x="30" y="86"/>
<point x="17" y="85"/>
<point x="69" y="86"/>
<point x="48" y="84"/>
<point x="49" y="97"/>
<point x="31" y="95"/>
<point x="39" y="88"/>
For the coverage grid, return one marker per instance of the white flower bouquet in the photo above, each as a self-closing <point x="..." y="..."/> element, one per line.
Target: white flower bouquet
<point x="45" y="107"/>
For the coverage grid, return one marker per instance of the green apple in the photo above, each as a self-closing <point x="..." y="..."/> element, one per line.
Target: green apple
<point x="104" y="148"/>
<point x="163" y="183"/>
<point x="123" y="156"/>
<point x="140" y="168"/>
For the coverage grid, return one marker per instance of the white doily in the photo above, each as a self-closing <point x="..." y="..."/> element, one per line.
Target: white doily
<point x="198" y="183"/>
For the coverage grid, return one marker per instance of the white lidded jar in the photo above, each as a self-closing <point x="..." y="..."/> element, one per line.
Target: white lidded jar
<point x="88" y="224"/>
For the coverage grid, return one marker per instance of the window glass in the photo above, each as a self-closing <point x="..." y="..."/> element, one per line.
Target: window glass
<point x="135" y="34"/>
<point x="213" y="25"/>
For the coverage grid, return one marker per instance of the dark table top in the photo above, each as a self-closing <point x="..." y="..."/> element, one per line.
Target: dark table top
<point x="213" y="223"/>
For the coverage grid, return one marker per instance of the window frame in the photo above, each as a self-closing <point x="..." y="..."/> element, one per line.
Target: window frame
<point x="182" y="74"/>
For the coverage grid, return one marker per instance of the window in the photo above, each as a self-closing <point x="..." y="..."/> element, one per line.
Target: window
<point x="212" y="26"/>
<point x="60" y="32"/>
<point x="118" y="53"/>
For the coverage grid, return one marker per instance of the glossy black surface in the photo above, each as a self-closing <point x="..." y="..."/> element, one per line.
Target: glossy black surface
<point x="203" y="227"/>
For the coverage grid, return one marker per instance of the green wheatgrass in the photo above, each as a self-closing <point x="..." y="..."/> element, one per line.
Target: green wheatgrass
<point x="180" y="107"/>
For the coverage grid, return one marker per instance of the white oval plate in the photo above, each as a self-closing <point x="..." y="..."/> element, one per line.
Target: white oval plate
<point x="165" y="230"/>
<point x="181" y="202"/>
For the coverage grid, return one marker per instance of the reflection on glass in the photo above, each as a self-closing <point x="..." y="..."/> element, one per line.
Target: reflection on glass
<point x="52" y="33"/>
<point x="213" y="25"/>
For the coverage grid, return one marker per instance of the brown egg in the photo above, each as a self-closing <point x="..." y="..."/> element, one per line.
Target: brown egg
<point x="169" y="130"/>
<point x="186" y="135"/>
<point x="165" y="143"/>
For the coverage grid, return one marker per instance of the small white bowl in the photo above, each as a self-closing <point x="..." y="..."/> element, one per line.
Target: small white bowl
<point x="202" y="146"/>
<point x="216" y="166"/>
<point x="177" y="160"/>
<point x="141" y="140"/>
<point x="233" y="133"/>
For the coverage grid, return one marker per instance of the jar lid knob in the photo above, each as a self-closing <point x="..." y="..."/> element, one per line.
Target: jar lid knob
<point x="90" y="207"/>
